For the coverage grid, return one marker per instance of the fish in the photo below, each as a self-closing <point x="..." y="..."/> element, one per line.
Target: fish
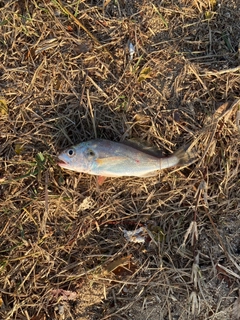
<point x="107" y="158"/>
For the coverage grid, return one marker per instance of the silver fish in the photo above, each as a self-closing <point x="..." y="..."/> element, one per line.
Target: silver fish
<point x="113" y="159"/>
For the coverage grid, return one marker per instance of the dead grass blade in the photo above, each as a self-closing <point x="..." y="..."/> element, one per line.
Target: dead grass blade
<point x="65" y="10"/>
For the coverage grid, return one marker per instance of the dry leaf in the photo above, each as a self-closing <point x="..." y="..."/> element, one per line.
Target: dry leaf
<point x="3" y="107"/>
<point x="236" y="308"/>
<point x="225" y="110"/>
<point x="64" y="294"/>
<point x="124" y="271"/>
<point x="40" y="316"/>
<point x="141" y="117"/>
<point x="46" y="45"/>
<point x="18" y="148"/>
<point x="144" y="74"/>
<point x="105" y="3"/>
<point x="222" y="110"/>
<point x="121" y="267"/>
<point x="222" y="274"/>
<point x="116" y="263"/>
<point x="238" y="120"/>
<point x="213" y="4"/>
<point x="209" y="15"/>
<point x="136" y="236"/>
<point x="69" y="28"/>
<point x="86" y="204"/>
<point x="158" y="233"/>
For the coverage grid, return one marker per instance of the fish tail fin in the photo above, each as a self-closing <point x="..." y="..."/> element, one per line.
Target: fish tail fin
<point x="185" y="155"/>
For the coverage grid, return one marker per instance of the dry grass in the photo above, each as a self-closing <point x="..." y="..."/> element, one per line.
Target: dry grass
<point x="66" y="77"/>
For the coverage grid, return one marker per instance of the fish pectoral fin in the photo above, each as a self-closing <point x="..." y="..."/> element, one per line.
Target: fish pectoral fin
<point x="149" y="174"/>
<point x="109" y="161"/>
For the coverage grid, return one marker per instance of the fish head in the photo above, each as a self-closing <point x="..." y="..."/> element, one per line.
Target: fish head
<point x="80" y="158"/>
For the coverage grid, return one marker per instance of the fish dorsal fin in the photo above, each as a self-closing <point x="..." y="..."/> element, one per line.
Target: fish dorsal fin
<point x="144" y="147"/>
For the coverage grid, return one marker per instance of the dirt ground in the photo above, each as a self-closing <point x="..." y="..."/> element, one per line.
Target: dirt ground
<point x="165" y="73"/>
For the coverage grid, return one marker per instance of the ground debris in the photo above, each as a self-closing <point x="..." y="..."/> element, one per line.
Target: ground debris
<point x="136" y="236"/>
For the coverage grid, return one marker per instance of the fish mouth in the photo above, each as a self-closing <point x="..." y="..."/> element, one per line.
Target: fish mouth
<point x="61" y="162"/>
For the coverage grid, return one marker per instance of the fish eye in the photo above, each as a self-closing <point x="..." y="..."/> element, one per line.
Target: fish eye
<point x="71" y="152"/>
